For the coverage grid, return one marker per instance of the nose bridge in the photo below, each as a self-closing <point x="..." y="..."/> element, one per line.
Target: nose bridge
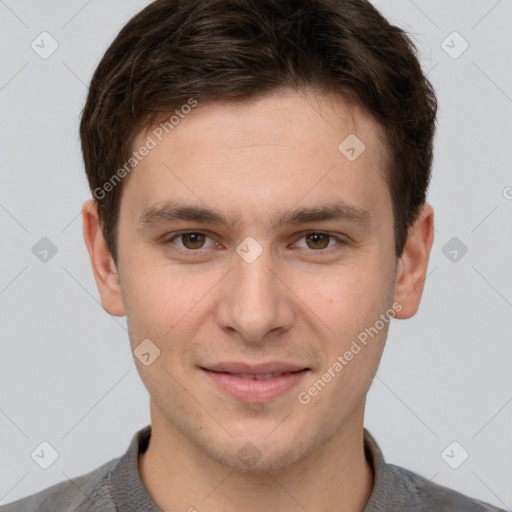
<point x="253" y="303"/>
<point x="252" y="280"/>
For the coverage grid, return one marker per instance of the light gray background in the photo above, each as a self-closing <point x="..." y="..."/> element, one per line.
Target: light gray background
<point x="67" y="374"/>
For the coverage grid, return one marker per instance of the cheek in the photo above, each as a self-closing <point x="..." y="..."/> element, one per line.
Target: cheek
<point x="165" y="304"/>
<point x="159" y="310"/>
<point x="346" y="298"/>
<point x="350" y="302"/>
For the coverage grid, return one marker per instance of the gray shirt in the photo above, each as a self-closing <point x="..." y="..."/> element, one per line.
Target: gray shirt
<point x="117" y="487"/>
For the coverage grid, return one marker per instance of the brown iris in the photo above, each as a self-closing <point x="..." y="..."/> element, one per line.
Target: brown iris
<point x="317" y="240"/>
<point x="193" y="240"/>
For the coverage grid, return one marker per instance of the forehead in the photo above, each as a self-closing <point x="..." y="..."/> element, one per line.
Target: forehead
<point x="284" y="149"/>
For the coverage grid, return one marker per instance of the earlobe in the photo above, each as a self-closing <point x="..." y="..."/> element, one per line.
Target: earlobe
<point x="413" y="264"/>
<point x="103" y="266"/>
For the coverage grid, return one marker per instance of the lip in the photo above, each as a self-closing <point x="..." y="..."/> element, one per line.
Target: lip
<point x="255" y="369"/>
<point x="235" y="379"/>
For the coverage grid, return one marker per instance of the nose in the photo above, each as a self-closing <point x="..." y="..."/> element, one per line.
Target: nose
<point x="254" y="303"/>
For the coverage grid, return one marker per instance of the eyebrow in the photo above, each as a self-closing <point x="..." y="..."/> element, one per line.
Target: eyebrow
<point x="169" y="212"/>
<point x="338" y="211"/>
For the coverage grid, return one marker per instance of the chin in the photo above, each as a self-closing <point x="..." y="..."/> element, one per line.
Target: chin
<point x="249" y="459"/>
<point x="260" y="453"/>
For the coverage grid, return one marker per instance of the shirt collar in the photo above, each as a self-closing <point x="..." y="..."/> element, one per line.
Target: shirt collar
<point x="130" y="494"/>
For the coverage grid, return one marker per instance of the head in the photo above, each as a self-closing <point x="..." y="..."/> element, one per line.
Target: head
<point x="292" y="141"/>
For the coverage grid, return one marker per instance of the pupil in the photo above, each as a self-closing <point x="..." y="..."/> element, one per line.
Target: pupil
<point x="318" y="240"/>
<point x="193" y="240"/>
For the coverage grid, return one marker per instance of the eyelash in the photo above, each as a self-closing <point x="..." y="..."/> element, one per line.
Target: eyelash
<point x="175" y="236"/>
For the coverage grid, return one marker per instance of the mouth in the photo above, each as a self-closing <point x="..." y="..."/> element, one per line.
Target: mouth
<point x="262" y="376"/>
<point x="255" y="383"/>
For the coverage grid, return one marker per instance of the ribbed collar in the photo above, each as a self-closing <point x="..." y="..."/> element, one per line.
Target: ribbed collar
<point x="389" y="489"/>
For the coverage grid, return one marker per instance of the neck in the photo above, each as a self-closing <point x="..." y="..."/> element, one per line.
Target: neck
<point x="180" y="477"/>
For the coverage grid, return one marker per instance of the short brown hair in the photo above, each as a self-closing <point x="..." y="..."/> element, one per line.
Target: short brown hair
<point x="209" y="50"/>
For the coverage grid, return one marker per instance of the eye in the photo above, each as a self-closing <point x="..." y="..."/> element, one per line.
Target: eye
<point x="191" y="240"/>
<point x="317" y="241"/>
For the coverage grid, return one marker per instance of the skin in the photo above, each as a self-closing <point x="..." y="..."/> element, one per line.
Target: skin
<point x="297" y="302"/>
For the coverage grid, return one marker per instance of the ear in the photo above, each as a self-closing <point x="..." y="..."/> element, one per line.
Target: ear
<point x="105" y="272"/>
<point x="412" y="265"/>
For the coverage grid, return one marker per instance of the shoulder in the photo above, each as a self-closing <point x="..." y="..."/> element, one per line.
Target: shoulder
<point x="397" y="488"/>
<point x="423" y="495"/>
<point x="114" y="486"/>
<point x="80" y="493"/>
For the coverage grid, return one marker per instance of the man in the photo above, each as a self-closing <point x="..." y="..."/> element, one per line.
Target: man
<point x="259" y="173"/>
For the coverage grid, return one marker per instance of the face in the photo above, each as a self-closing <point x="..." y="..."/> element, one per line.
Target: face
<point x="259" y="260"/>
